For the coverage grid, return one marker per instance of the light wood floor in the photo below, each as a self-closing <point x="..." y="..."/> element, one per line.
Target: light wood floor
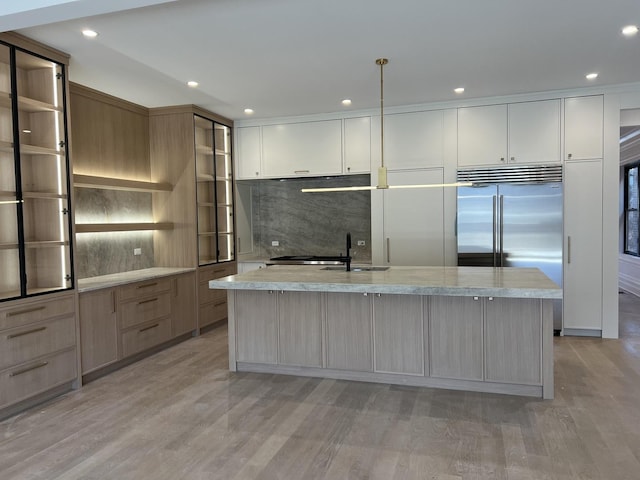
<point x="181" y="415"/>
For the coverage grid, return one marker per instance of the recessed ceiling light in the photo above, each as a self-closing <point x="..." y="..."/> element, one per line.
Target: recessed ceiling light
<point x="248" y="111"/>
<point x="346" y="102"/>
<point x="459" y="90"/>
<point x="192" y="83"/>
<point x="630" y="30"/>
<point x="591" y="76"/>
<point x="87" y="32"/>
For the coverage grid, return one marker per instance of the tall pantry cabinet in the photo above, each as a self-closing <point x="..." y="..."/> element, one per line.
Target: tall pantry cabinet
<point x="37" y="303"/>
<point x="191" y="148"/>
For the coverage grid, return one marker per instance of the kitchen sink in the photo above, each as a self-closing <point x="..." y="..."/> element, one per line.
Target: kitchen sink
<point x="357" y="269"/>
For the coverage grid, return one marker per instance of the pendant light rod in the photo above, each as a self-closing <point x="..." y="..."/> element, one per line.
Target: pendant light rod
<point x="382" y="62"/>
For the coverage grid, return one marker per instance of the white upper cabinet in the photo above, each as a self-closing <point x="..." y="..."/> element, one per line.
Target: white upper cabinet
<point x="482" y="135"/>
<point x="247" y="152"/>
<point x="357" y="145"/>
<point x="302" y="149"/>
<point x="583" y="127"/>
<point x="414" y="140"/>
<point x="534" y="132"/>
<point x="524" y="133"/>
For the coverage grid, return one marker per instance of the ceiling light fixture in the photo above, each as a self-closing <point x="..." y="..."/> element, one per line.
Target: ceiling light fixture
<point x="591" y="76"/>
<point x="248" y="111"/>
<point x="630" y="30"/>
<point x="382" y="170"/>
<point x="87" y="32"/>
<point x="192" y="83"/>
<point x="346" y="102"/>
<point x="459" y="90"/>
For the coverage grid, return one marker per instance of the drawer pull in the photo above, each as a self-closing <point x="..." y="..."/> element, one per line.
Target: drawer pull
<point x="148" y="328"/>
<point x="301" y="171"/>
<point x="26" y="310"/>
<point x="219" y="304"/>
<point x="148" y="301"/>
<point x="146" y="285"/>
<point x="27" y="332"/>
<point x="28" y="369"/>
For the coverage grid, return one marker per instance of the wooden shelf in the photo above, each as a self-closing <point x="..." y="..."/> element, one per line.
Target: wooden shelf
<point x="45" y="244"/>
<point x="8" y="246"/>
<point x="204" y="149"/>
<point x="121" y="227"/>
<point x="26" y="149"/>
<point x="206" y="234"/>
<point x="90" y="181"/>
<point x="205" y="204"/>
<point x="6" y="147"/>
<point x="7" y="194"/>
<point x="26" y="104"/>
<point x="44" y="195"/>
<point x="201" y="177"/>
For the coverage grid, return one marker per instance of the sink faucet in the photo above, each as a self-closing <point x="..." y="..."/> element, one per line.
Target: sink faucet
<point x="347" y="259"/>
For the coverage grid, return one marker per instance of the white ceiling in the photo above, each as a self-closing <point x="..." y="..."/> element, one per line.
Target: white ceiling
<point x="295" y="57"/>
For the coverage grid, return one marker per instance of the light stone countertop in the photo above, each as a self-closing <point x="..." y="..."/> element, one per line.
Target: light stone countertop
<point x="447" y="281"/>
<point x="115" y="279"/>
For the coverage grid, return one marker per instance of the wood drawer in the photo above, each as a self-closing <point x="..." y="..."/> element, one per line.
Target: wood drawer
<point x="207" y="295"/>
<point x="28" y="379"/>
<point x="21" y="344"/>
<point x="139" y="289"/>
<point x="211" y="313"/>
<point x="147" y="336"/>
<point x="30" y="312"/>
<point x="145" y="310"/>
<point x="216" y="271"/>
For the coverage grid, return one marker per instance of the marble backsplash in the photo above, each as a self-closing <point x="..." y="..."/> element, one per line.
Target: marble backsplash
<point x="112" y="252"/>
<point x="310" y="223"/>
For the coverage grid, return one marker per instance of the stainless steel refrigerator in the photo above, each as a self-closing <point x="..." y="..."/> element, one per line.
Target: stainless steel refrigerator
<point x="512" y="217"/>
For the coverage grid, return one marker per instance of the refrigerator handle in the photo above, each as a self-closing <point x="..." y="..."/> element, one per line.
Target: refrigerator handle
<point x="501" y="227"/>
<point x="568" y="248"/>
<point x="495" y="206"/>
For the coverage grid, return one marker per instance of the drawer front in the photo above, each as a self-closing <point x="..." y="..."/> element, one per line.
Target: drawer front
<point x="147" y="336"/>
<point x="31" y="312"/>
<point x="216" y="271"/>
<point x="139" y="289"/>
<point x="28" y="379"/>
<point x="207" y="295"/>
<point x="22" y="344"/>
<point x="211" y="313"/>
<point x="145" y="310"/>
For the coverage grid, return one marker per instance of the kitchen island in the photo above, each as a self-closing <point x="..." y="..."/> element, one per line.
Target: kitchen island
<point x="463" y="328"/>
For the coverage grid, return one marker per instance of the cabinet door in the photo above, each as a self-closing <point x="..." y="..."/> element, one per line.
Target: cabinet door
<point x="582" y="293"/>
<point x="183" y="304"/>
<point x="534" y="132"/>
<point x="398" y="327"/>
<point x="482" y="135"/>
<point x="414" y="219"/>
<point x="414" y="140"/>
<point x="248" y="152"/>
<point x="583" y="127"/>
<point x="256" y="326"/>
<point x="98" y="329"/>
<point x="357" y="145"/>
<point x="349" y="331"/>
<point x="302" y="149"/>
<point x="300" y="328"/>
<point x="455" y="337"/>
<point x="513" y="340"/>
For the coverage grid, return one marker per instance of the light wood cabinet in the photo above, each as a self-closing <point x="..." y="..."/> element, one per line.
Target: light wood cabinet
<point x="414" y="140"/>
<point x="300" y="328"/>
<point x="582" y="276"/>
<point x="248" y="153"/>
<point x="357" y="145"/>
<point x="513" y="340"/>
<point x="349" y="331"/>
<point x="302" y="149"/>
<point x="37" y="347"/>
<point x="523" y="133"/>
<point x="583" y="127"/>
<point x="456" y="337"/>
<point x="212" y="304"/>
<point x="183" y="304"/>
<point x="98" y="329"/>
<point x="35" y="244"/>
<point x="420" y="240"/>
<point x="257" y="326"/>
<point x="398" y="334"/>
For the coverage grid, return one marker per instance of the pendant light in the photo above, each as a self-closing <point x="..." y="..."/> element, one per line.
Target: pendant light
<point x="383" y="184"/>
